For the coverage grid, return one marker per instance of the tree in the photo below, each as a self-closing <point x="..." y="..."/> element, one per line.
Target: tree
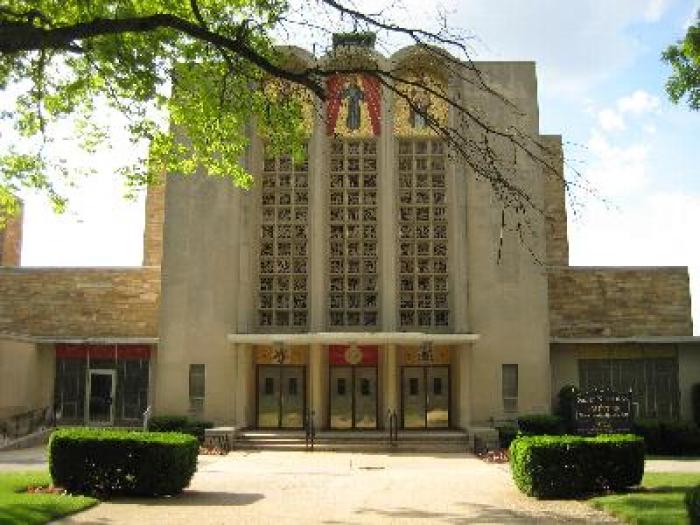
<point x="684" y="58"/>
<point x="221" y="58"/>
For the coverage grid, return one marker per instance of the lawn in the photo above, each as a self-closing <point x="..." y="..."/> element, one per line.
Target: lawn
<point x="18" y="507"/>
<point x="660" y="500"/>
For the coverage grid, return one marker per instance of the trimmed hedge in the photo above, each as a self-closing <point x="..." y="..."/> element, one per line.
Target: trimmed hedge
<point x="506" y="435"/>
<point x="104" y="462"/>
<point x="541" y="425"/>
<point x="668" y="437"/>
<point x="573" y="466"/>
<point x="692" y="503"/>
<point x="182" y="424"/>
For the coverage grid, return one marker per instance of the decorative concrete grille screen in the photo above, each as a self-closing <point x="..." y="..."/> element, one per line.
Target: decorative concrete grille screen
<point x="654" y="382"/>
<point x="353" y="294"/>
<point x="283" y="295"/>
<point x="422" y="234"/>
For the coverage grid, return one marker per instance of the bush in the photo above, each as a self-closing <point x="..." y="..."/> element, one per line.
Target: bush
<point x="566" y="407"/>
<point x="182" y="424"/>
<point x="573" y="466"/>
<point x="692" y="503"/>
<point x="668" y="437"/>
<point x="695" y="397"/>
<point x="541" y="425"/>
<point x="103" y="462"/>
<point x="506" y="435"/>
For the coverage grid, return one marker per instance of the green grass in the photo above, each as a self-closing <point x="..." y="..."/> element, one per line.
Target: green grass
<point x="19" y="507"/>
<point x="659" y="501"/>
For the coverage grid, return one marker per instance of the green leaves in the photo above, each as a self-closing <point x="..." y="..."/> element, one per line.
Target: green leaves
<point x="191" y="100"/>
<point x="684" y="59"/>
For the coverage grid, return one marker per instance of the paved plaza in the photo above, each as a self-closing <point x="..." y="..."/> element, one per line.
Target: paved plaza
<point x="322" y="487"/>
<point x="298" y="487"/>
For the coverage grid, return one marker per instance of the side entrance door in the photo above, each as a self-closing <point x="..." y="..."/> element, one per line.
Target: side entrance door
<point x="353" y="397"/>
<point x="100" y="397"/>
<point x="425" y="397"/>
<point x="281" y="396"/>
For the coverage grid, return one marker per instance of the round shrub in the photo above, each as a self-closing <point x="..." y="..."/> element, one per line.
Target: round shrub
<point x="572" y="466"/>
<point x="692" y="503"/>
<point x="104" y="462"/>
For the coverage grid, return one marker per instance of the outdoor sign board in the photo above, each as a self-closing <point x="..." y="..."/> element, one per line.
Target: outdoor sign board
<point x="603" y="411"/>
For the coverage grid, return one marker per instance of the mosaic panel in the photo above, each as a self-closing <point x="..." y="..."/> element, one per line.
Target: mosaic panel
<point x="423" y="243"/>
<point x="420" y="105"/>
<point x="353" y="294"/>
<point x="283" y="282"/>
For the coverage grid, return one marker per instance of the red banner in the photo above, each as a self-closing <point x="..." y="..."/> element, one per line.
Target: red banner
<point x="118" y="351"/>
<point x="353" y="355"/>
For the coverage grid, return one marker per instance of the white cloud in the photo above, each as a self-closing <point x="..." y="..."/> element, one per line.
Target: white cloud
<point x="655" y="10"/>
<point x="610" y="120"/>
<point x="615" y="171"/>
<point x="638" y="102"/>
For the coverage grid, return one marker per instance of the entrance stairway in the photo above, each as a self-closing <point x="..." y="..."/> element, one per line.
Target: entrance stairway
<point x="439" y="441"/>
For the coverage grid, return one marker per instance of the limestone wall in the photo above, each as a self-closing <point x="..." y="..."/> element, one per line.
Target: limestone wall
<point x="619" y="302"/>
<point x="153" y="226"/>
<point x="104" y="302"/>
<point x="11" y="241"/>
<point x="555" y="203"/>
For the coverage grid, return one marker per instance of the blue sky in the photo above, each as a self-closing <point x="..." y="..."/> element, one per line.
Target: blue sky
<point x="601" y="87"/>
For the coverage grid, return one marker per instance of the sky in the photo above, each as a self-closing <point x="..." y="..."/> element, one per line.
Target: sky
<point x="601" y="86"/>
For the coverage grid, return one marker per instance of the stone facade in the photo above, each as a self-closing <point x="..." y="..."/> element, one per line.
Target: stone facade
<point x="11" y="241"/>
<point x="555" y="203"/>
<point x="153" y="226"/>
<point x="73" y="302"/>
<point x="619" y="302"/>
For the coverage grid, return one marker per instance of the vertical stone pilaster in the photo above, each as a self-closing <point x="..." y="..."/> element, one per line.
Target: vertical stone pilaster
<point x="316" y="390"/>
<point x="387" y="218"/>
<point x="244" y="386"/>
<point x="318" y="242"/>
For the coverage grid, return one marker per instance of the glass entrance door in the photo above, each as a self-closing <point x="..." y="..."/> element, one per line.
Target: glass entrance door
<point x="353" y="397"/>
<point x="281" y="396"/>
<point x="100" y="397"/>
<point x="425" y="396"/>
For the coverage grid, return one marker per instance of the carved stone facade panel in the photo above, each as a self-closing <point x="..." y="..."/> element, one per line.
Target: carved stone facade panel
<point x="283" y="262"/>
<point x="423" y="242"/>
<point x="353" y="294"/>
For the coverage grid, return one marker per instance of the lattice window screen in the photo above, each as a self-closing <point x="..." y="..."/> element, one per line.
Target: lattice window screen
<point x="283" y="283"/>
<point x="423" y="301"/>
<point x="353" y="295"/>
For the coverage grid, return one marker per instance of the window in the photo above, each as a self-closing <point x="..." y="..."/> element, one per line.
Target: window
<point x="283" y="287"/>
<point x="353" y="283"/>
<point x="510" y="387"/>
<point x="196" y="389"/>
<point x="422" y="239"/>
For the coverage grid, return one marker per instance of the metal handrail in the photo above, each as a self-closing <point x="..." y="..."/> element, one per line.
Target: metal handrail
<point x="310" y="430"/>
<point x="393" y="427"/>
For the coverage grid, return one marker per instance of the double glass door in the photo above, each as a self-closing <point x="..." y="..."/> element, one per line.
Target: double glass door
<point x="281" y="396"/>
<point x="353" y="397"/>
<point x="425" y="396"/>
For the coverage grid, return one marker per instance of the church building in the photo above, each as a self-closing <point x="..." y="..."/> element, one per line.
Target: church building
<point x="373" y="276"/>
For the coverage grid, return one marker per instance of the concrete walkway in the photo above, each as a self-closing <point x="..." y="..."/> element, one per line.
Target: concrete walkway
<point x="299" y="487"/>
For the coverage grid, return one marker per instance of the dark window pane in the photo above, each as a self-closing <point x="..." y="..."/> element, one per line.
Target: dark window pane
<point x="413" y="386"/>
<point x="269" y="386"/>
<point x="293" y="386"/>
<point x="437" y="386"/>
<point x="364" y="387"/>
<point x="341" y="386"/>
